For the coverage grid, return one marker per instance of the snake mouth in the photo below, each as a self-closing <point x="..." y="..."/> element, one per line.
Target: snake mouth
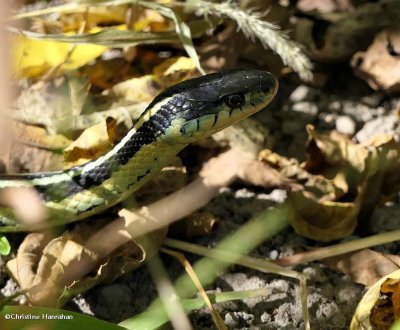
<point x="225" y="116"/>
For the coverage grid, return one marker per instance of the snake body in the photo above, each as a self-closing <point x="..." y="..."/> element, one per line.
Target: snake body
<point x="182" y="114"/>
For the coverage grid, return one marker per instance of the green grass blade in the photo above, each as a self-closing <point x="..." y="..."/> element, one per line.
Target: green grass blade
<point x="154" y="318"/>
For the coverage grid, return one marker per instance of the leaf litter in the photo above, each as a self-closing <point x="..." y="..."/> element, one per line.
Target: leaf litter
<point x="341" y="182"/>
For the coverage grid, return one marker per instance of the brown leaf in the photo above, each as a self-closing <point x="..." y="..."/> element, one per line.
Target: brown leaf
<point x="50" y="269"/>
<point x="333" y="156"/>
<point x="321" y="187"/>
<point x="337" y="36"/>
<point x="379" y="65"/>
<point x="366" y="266"/>
<point x="387" y="307"/>
<point x="375" y="311"/>
<point x="38" y="137"/>
<point x="322" y="220"/>
<point x="259" y="174"/>
<point x="341" y="182"/>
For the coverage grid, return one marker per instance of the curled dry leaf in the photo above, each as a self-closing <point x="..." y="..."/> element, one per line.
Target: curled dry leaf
<point x="342" y="182"/>
<point x="52" y="270"/>
<point x="379" y="65"/>
<point x="321" y="187"/>
<point x="380" y="306"/>
<point x="322" y="220"/>
<point x="259" y="174"/>
<point x="366" y="266"/>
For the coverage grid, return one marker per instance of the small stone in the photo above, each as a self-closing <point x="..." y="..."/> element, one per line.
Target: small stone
<point x="230" y="320"/>
<point x="378" y="126"/>
<point x="274" y="254"/>
<point x="334" y="106"/>
<point x="345" y="125"/>
<point x="266" y="317"/>
<point x="327" y="118"/>
<point x="308" y="108"/>
<point x="299" y="94"/>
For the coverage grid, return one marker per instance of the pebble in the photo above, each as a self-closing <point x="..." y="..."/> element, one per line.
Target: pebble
<point x="345" y="125"/>
<point x="308" y="108"/>
<point x="299" y="94"/>
<point x="378" y="126"/>
<point x="273" y="254"/>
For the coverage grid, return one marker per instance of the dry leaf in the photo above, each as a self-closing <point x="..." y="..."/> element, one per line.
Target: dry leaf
<point x="38" y="137"/>
<point x="334" y="156"/>
<point x="145" y="88"/>
<point x="342" y="181"/>
<point x="321" y="187"/>
<point x="173" y="71"/>
<point x="51" y="270"/>
<point x="92" y="143"/>
<point x="337" y="36"/>
<point x="249" y="135"/>
<point x="56" y="105"/>
<point x="322" y="220"/>
<point x="379" y="65"/>
<point x="370" y="301"/>
<point x="259" y="174"/>
<point x="32" y="57"/>
<point x="366" y="266"/>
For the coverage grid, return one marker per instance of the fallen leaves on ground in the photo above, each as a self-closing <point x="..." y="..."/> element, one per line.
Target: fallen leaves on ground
<point x="379" y="65"/>
<point x="32" y="58"/>
<point x="337" y="36"/>
<point x="145" y="88"/>
<point x="48" y="267"/>
<point x="342" y="182"/>
<point x="366" y="266"/>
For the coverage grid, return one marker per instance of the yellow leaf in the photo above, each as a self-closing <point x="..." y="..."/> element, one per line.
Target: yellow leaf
<point x="174" y="70"/>
<point x="33" y="57"/>
<point x="92" y="143"/>
<point x="362" y="316"/>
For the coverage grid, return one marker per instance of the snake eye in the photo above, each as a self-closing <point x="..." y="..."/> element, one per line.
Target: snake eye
<point x="234" y="100"/>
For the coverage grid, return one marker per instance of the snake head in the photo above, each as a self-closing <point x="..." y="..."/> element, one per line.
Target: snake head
<point x="199" y="107"/>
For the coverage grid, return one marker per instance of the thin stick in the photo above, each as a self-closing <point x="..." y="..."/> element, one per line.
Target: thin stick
<point x="338" y="249"/>
<point x="219" y="323"/>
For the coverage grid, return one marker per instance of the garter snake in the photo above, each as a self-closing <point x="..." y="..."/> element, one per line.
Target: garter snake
<point x="182" y="114"/>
